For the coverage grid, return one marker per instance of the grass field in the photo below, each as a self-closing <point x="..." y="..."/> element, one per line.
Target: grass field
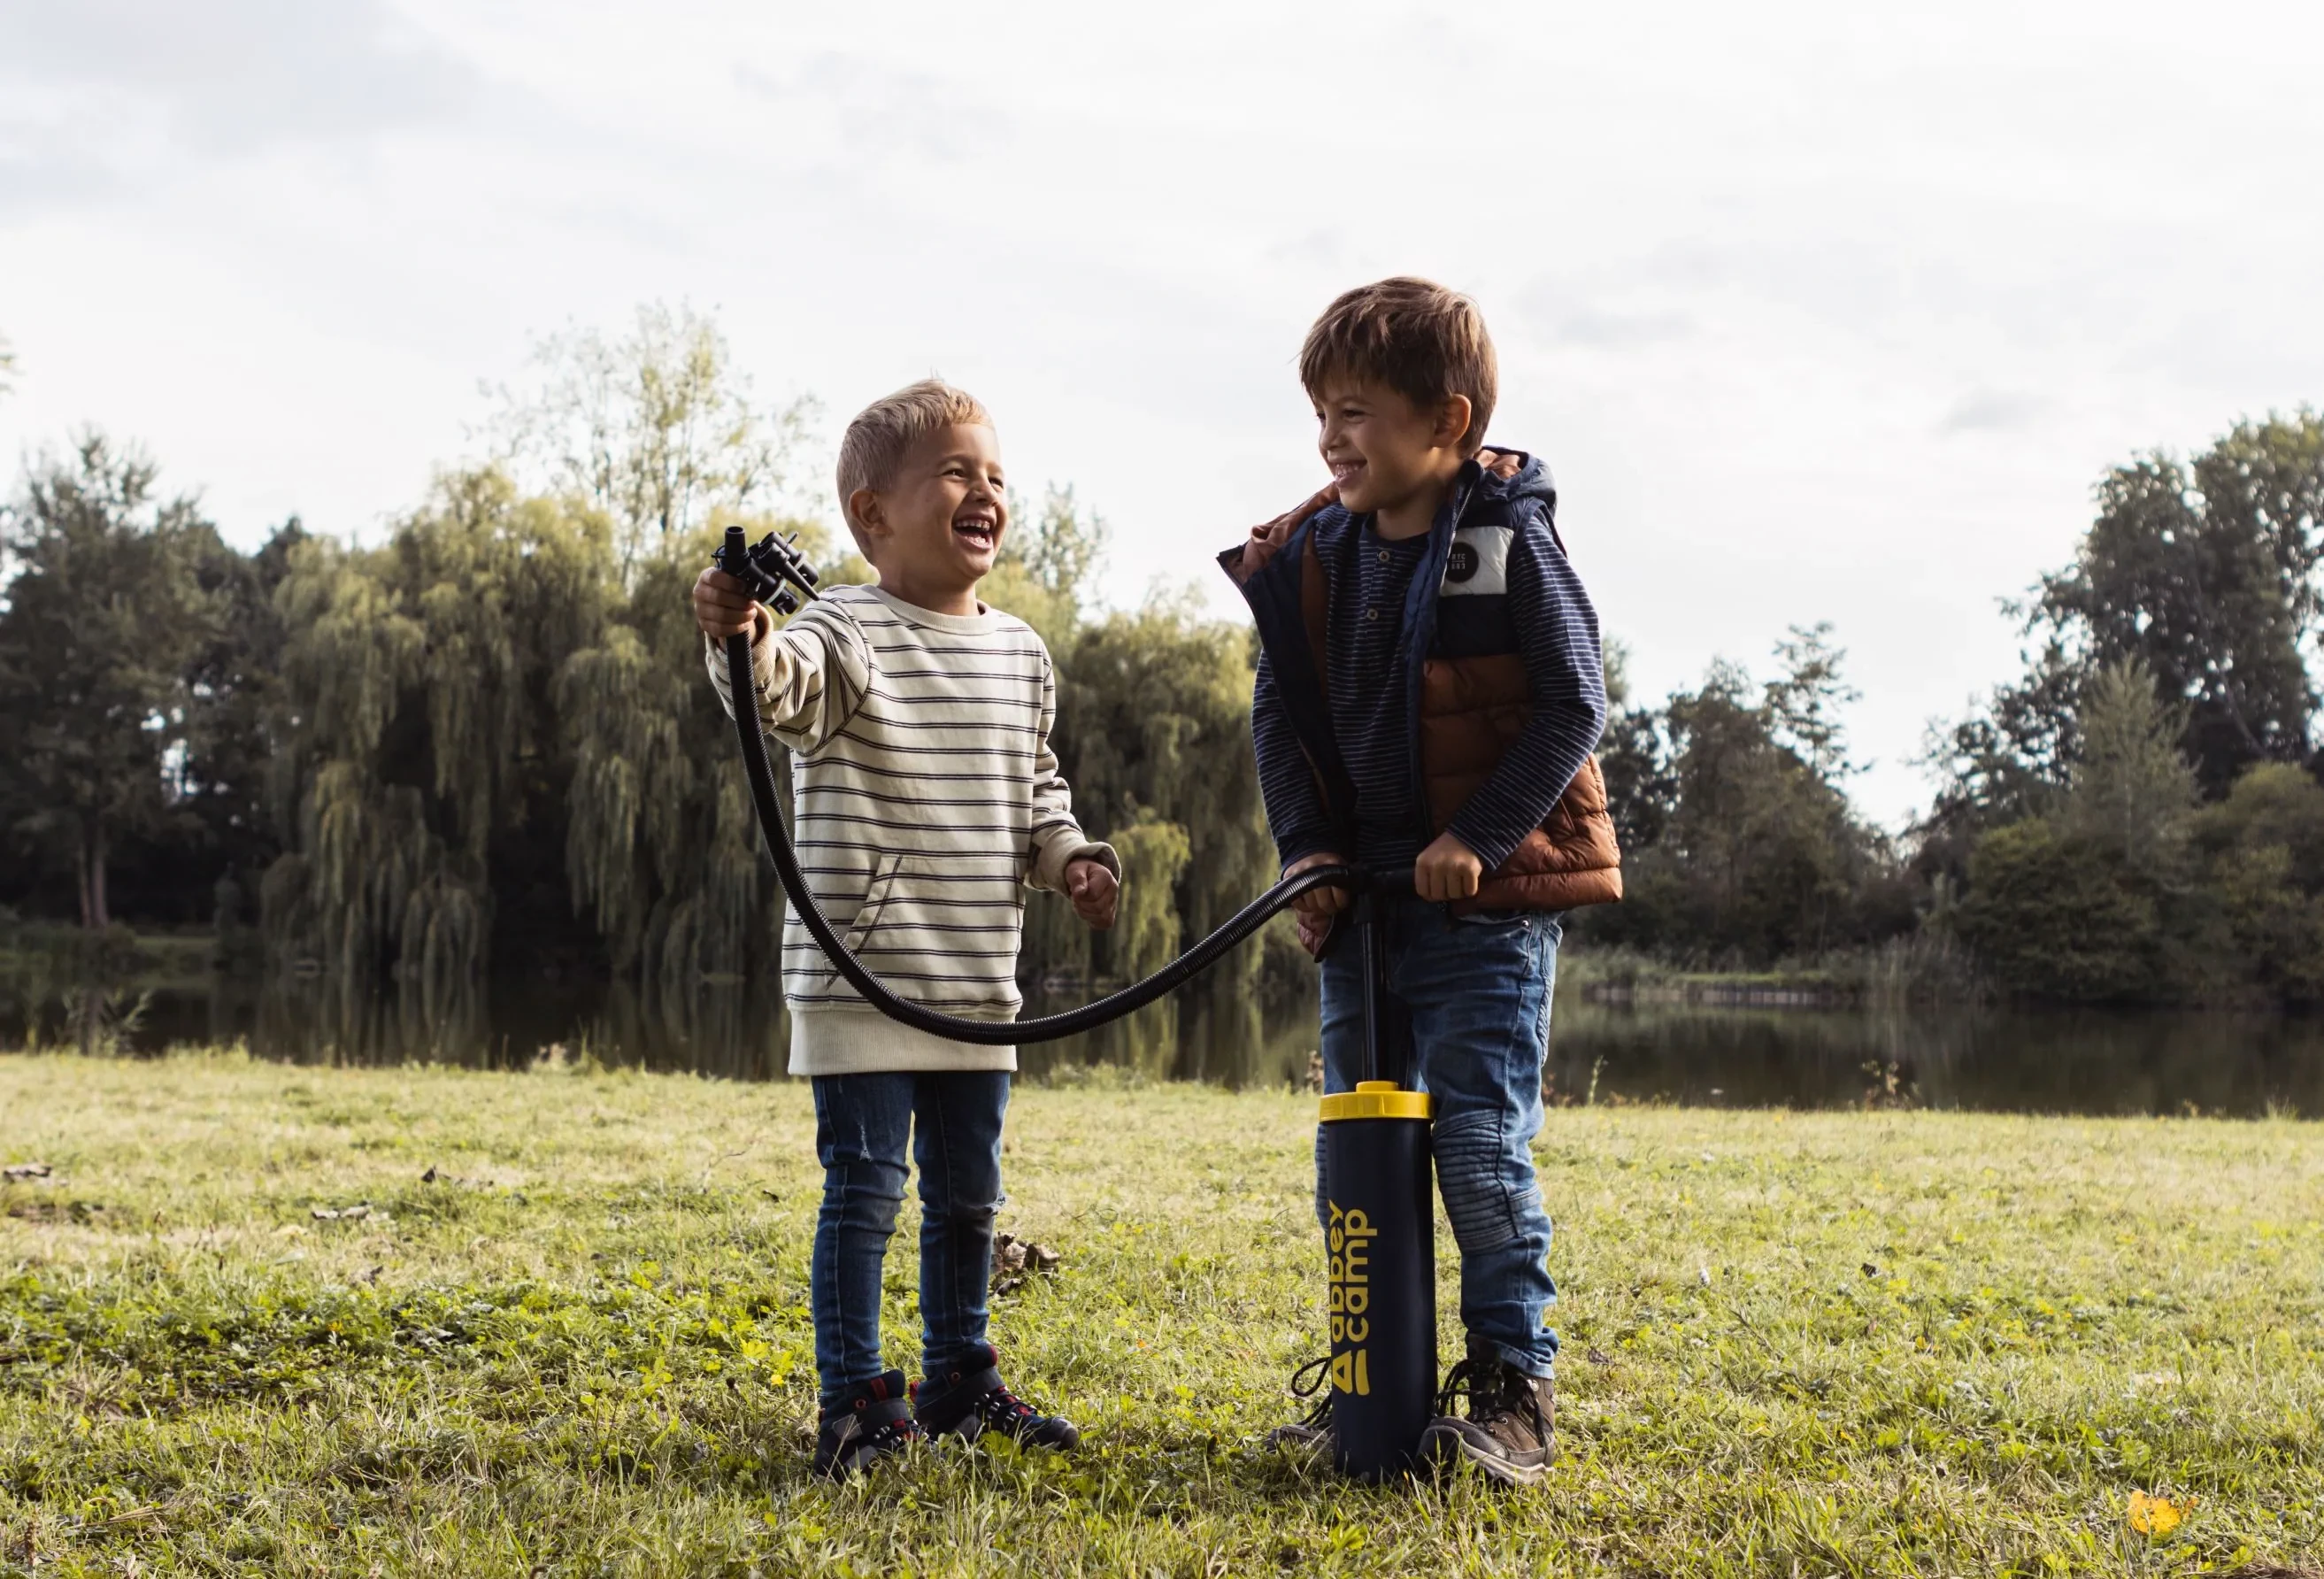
<point x="1869" y="1342"/>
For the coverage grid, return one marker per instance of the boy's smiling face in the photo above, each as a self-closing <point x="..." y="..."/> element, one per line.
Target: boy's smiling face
<point x="1386" y="453"/>
<point x="935" y="532"/>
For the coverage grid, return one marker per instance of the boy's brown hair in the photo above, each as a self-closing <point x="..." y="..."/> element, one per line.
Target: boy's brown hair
<point x="1416" y="337"/>
<point x="884" y="432"/>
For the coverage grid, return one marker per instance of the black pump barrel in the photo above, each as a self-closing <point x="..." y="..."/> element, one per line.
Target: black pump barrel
<point x="1381" y="1295"/>
<point x="1379" y="1237"/>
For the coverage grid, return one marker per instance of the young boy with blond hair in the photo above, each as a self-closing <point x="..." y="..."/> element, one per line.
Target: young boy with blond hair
<point x="1430" y="688"/>
<point x="927" y="799"/>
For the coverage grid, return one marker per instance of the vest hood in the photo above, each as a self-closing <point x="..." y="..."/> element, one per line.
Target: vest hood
<point x="1513" y="477"/>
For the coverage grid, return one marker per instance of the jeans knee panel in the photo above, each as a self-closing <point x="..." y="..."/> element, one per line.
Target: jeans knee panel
<point x="864" y="1197"/>
<point x="1473" y="1174"/>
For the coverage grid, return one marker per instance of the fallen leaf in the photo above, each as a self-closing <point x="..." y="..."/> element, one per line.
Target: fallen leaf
<point x="343" y="1214"/>
<point x="2157" y="1517"/>
<point x="18" y="1172"/>
<point x="1015" y="1259"/>
<point x="1599" y="1357"/>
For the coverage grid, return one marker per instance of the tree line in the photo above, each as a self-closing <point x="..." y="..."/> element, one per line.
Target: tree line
<point x="485" y="744"/>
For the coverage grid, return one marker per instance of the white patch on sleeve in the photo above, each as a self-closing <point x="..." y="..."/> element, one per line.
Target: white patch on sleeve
<point x="1479" y="563"/>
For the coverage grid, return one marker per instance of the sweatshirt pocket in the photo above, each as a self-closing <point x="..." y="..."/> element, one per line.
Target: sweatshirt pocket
<point x="939" y="935"/>
<point x="867" y="918"/>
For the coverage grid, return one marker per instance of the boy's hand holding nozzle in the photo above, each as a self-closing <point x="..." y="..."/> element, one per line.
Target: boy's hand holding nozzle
<point x="723" y="608"/>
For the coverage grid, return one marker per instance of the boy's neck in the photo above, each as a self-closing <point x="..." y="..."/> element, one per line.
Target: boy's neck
<point x="898" y="582"/>
<point x="1413" y="515"/>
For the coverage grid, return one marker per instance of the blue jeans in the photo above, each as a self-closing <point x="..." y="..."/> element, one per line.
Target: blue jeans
<point x="1477" y="990"/>
<point x="861" y="1123"/>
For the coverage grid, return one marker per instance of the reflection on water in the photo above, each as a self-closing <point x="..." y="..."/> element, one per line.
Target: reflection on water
<point x="2011" y="1060"/>
<point x="731" y="1030"/>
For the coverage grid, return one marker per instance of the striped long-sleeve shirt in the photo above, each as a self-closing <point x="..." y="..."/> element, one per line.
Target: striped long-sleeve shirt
<point x="928" y="799"/>
<point x="1557" y="638"/>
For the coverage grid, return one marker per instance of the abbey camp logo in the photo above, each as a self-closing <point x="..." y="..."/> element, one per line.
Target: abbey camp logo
<point x="1350" y="1302"/>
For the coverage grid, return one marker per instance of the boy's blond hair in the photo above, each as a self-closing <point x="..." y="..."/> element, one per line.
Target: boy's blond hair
<point x="1420" y="340"/>
<point x="884" y="432"/>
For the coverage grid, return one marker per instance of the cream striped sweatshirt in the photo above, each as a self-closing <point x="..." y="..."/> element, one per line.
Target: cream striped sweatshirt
<point x="927" y="799"/>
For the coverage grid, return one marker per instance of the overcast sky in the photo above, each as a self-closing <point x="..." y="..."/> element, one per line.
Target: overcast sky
<point x="1817" y="311"/>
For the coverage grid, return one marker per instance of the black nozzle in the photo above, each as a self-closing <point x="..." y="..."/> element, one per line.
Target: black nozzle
<point x="768" y="571"/>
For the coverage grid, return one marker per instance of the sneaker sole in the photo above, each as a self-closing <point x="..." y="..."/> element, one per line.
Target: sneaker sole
<point x="1446" y="1445"/>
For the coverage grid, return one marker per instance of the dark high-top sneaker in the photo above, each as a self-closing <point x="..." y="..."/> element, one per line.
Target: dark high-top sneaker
<point x="1512" y="1418"/>
<point x="870" y="1423"/>
<point x="970" y="1400"/>
<point x="1313" y="1430"/>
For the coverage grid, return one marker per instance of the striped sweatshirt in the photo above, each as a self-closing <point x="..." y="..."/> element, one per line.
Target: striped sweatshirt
<point x="927" y="800"/>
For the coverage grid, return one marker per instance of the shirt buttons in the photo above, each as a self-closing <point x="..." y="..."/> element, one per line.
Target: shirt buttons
<point x="1384" y="556"/>
<point x="1371" y="613"/>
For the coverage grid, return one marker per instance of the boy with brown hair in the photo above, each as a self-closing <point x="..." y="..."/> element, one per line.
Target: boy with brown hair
<point x="927" y="801"/>
<point x="1430" y="689"/>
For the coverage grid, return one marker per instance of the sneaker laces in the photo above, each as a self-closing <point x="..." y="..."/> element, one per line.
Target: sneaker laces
<point x="889" y="1436"/>
<point x="1002" y="1409"/>
<point x="1485" y="1382"/>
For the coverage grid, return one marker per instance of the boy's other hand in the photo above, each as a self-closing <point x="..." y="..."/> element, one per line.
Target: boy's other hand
<point x="1320" y="904"/>
<point x="1447" y="870"/>
<point x="722" y="608"/>
<point x="1094" y="891"/>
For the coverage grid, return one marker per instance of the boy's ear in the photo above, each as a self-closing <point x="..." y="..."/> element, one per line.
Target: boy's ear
<point x="1452" y="421"/>
<point x="863" y="505"/>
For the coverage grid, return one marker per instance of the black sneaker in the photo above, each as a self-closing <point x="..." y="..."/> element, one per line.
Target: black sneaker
<point x="1313" y="1430"/>
<point x="1511" y="1416"/>
<point x="870" y="1423"/>
<point x="971" y="1399"/>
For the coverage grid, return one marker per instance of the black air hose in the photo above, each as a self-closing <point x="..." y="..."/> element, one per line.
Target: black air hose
<point x="992" y="1032"/>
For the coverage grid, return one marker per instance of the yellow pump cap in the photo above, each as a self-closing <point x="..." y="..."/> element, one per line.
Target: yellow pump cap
<point x="1376" y="1099"/>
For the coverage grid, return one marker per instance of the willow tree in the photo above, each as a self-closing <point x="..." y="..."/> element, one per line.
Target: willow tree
<point x="662" y="848"/>
<point x="501" y="742"/>
<point x="418" y="679"/>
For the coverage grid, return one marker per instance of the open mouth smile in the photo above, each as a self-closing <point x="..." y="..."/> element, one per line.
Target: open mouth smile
<point x="981" y="531"/>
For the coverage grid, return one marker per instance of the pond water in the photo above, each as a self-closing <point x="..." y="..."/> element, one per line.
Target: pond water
<point x="1998" y="1059"/>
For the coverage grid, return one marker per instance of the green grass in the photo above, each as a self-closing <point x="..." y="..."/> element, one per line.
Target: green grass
<point x="1846" y="1342"/>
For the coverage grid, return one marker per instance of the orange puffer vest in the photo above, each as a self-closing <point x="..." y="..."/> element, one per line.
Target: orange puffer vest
<point x="1473" y="703"/>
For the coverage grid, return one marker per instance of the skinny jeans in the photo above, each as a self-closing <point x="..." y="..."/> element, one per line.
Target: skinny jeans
<point x="951" y="1120"/>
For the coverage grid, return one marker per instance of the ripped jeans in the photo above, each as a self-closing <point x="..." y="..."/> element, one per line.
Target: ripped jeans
<point x="952" y="1120"/>
<point x="1477" y="990"/>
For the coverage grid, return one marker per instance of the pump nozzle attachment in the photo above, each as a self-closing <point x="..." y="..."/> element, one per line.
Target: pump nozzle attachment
<point x="765" y="569"/>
